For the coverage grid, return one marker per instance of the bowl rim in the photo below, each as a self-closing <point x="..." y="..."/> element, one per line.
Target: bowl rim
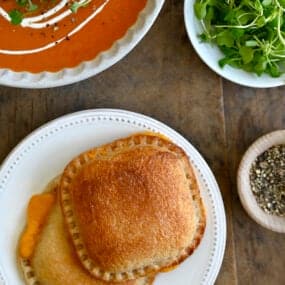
<point x="232" y="74"/>
<point x="248" y="201"/>
<point x="86" y="69"/>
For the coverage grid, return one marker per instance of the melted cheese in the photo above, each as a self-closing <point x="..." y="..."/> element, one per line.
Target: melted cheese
<point x="168" y="269"/>
<point x="38" y="210"/>
<point x="149" y="133"/>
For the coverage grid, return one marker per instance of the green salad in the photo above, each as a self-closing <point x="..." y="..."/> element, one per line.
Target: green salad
<point x="250" y="33"/>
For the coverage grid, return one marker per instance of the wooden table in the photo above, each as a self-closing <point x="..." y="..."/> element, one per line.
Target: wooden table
<point x="164" y="78"/>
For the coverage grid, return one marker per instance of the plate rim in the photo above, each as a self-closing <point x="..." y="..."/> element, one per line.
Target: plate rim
<point x="86" y="69"/>
<point x="268" y="82"/>
<point x="213" y="266"/>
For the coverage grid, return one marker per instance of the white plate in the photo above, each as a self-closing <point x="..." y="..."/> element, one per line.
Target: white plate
<point x="210" y="54"/>
<point x="43" y="155"/>
<point x="88" y="68"/>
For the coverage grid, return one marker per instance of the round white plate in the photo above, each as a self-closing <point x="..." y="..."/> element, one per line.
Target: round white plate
<point x="211" y="54"/>
<point x="44" y="154"/>
<point x="88" y="68"/>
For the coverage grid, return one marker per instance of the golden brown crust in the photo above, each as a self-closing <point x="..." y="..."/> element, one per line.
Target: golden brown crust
<point x="54" y="261"/>
<point x="141" y="195"/>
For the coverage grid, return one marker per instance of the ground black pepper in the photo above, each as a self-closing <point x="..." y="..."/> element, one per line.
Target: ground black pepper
<point x="267" y="180"/>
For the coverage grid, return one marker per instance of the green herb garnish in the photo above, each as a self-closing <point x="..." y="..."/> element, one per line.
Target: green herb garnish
<point x="250" y="33"/>
<point x="22" y="2"/>
<point x="28" y="4"/>
<point x="31" y="7"/>
<point x="16" y="17"/>
<point x="76" y="5"/>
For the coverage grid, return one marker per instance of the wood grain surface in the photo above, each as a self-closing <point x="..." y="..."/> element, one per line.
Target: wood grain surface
<point x="163" y="78"/>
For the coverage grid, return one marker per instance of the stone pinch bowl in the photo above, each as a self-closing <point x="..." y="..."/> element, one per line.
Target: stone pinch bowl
<point x="271" y="222"/>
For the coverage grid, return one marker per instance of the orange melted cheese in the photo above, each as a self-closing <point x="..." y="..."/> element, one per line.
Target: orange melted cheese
<point x="168" y="269"/>
<point x="149" y="133"/>
<point x="38" y="210"/>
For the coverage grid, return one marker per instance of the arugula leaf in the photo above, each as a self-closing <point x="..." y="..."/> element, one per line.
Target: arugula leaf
<point x="261" y="64"/>
<point x="225" y="38"/>
<point x="200" y="10"/>
<point x="224" y="61"/>
<point x="251" y="43"/>
<point x="282" y="3"/>
<point x="274" y="70"/>
<point x="237" y="33"/>
<point x="266" y="2"/>
<point x="246" y="53"/>
<point x="16" y="17"/>
<point x="250" y="33"/>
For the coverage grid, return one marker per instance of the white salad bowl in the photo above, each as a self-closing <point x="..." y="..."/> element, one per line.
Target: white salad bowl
<point x="90" y="68"/>
<point x="211" y="54"/>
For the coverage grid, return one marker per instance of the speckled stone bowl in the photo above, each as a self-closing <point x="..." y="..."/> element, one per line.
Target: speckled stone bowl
<point x="247" y="198"/>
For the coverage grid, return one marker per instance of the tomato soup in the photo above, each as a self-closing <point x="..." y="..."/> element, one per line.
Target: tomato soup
<point x="48" y="35"/>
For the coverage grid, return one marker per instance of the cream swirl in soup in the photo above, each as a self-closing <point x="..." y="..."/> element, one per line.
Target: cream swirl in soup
<point x="48" y="35"/>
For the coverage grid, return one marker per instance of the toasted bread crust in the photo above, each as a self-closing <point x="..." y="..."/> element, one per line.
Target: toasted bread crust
<point x="140" y="193"/>
<point x="54" y="260"/>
